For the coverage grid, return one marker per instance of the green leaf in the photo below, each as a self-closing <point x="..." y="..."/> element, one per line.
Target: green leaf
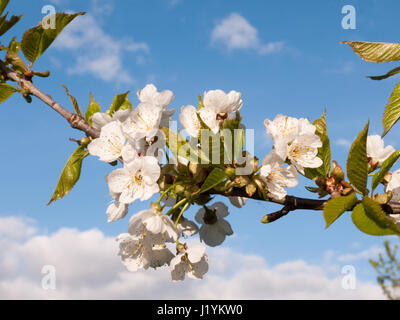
<point x="6" y="91"/>
<point x="324" y="153"/>
<point x="214" y="178"/>
<point x="13" y="58"/>
<point x="334" y="208"/>
<point x="6" y="25"/>
<point x="369" y="218"/>
<point x="70" y="174"/>
<point x="94" y="107"/>
<point x="74" y="101"/>
<point x="386" y="166"/>
<point x="357" y="161"/>
<point x="375" y="51"/>
<point x="387" y="75"/>
<point x="3" y="5"/>
<point x="36" y="40"/>
<point x="392" y="110"/>
<point x="43" y="74"/>
<point x="120" y="102"/>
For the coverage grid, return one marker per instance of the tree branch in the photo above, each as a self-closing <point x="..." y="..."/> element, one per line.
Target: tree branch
<point x="75" y="120"/>
<point x="292" y="203"/>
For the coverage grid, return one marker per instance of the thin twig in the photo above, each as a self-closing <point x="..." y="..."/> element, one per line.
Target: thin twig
<point x="76" y="121"/>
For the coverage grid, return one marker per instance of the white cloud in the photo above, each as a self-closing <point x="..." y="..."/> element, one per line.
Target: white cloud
<point x="343" y="142"/>
<point x="235" y="32"/>
<point x="366" y="254"/>
<point x="87" y="267"/>
<point x="97" y="52"/>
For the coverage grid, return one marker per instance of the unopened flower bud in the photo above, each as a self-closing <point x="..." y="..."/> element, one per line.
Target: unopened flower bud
<point x="179" y="189"/>
<point x="330" y="185"/>
<point x="84" y="141"/>
<point x="347" y="191"/>
<point x="242" y="181"/>
<point x="383" y="198"/>
<point x="337" y="172"/>
<point x="321" y="182"/>
<point x="386" y="179"/>
<point x="251" y="189"/>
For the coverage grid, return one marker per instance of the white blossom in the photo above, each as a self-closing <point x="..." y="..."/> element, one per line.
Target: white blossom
<point x="99" y="120"/>
<point x="209" y="117"/>
<point x="108" y="147"/>
<point x="154" y="224"/>
<point x="394" y="185"/>
<point x="295" y="140"/>
<point x="214" y="227"/>
<point x="149" y="94"/>
<point x="160" y="256"/>
<point x="191" y="261"/>
<point x="190" y="121"/>
<point x="277" y="177"/>
<point x="285" y="129"/>
<point x="187" y="227"/>
<point x="376" y="150"/>
<point x="137" y="180"/>
<point x="116" y="210"/>
<point x="222" y="103"/>
<point x="135" y="252"/>
<point x="140" y="253"/>
<point x="144" y="122"/>
<point x="302" y="152"/>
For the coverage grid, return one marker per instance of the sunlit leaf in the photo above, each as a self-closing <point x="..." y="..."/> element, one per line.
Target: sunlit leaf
<point x="386" y="166"/>
<point x="6" y="91"/>
<point x="120" y="102"/>
<point x="375" y="51"/>
<point x="6" y="25"/>
<point x="369" y="218"/>
<point x="94" y="107"/>
<point x="324" y="153"/>
<point x="357" y="161"/>
<point x="334" y="208"/>
<point x="70" y="174"/>
<point x="392" y="110"/>
<point x="35" y="41"/>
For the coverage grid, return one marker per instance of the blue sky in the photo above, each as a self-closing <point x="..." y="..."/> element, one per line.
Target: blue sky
<point x="288" y="60"/>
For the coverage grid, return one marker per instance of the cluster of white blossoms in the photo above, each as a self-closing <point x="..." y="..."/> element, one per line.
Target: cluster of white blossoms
<point x="125" y="136"/>
<point x="295" y="142"/>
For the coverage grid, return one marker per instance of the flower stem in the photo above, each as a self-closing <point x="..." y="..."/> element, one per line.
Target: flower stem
<point x="182" y="211"/>
<point x="180" y="203"/>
